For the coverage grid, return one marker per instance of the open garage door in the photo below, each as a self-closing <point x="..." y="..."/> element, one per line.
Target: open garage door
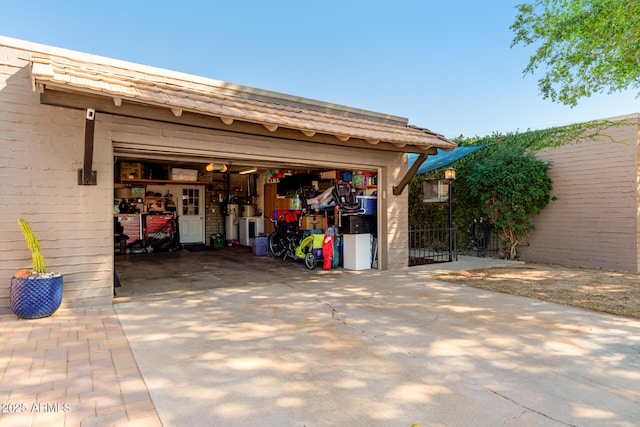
<point x="193" y="218"/>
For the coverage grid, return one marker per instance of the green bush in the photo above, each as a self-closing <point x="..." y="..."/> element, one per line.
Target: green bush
<point x="503" y="182"/>
<point x="512" y="185"/>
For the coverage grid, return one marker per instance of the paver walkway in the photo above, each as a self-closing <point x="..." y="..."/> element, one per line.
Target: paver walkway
<point x="74" y="368"/>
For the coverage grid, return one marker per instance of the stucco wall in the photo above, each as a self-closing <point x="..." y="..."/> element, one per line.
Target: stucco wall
<point x="41" y="149"/>
<point x="594" y="222"/>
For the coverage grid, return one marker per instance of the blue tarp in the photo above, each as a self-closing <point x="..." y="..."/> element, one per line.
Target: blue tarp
<point x="443" y="158"/>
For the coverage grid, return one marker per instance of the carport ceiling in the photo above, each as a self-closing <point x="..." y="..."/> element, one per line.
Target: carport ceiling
<point x="116" y="87"/>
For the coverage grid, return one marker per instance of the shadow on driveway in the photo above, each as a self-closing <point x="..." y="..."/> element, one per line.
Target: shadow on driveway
<point x="375" y="348"/>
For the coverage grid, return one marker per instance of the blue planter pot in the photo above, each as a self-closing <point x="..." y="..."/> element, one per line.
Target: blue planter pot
<point x="33" y="298"/>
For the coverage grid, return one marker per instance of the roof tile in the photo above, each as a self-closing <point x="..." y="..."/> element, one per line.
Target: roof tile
<point x="158" y="90"/>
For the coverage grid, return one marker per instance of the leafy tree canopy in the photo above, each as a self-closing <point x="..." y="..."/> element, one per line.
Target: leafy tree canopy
<point x="586" y="46"/>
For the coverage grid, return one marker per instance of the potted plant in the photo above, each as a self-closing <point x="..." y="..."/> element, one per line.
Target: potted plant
<point x="37" y="293"/>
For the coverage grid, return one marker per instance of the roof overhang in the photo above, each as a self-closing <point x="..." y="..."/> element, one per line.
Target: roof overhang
<point x="278" y="114"/>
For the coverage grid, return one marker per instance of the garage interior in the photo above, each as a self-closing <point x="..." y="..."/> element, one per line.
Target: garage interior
<point x="213" y="215"/>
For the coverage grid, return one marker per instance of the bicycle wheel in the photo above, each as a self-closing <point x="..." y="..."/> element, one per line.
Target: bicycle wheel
<point x="310" y="260"/>
<point x="277" y="244"/>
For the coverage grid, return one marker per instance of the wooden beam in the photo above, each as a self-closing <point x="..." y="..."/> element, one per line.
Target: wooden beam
<point x="308" y="133"/>
<point x="398" y="189"/>
<point x="117" y="102"/>
<point x="270" y="127"/>
<point x="343" y="138"/>
<point x="104" y="105"/>
<point x="176" y="111"/>
<point x="87" y="176"/>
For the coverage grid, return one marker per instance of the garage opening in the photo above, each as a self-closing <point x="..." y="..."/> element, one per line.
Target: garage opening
<point x="185" y="224"/>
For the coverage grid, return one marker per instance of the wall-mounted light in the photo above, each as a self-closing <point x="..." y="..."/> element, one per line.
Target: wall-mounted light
<point x="221" y="167"/>
<point x="246" y="171"/>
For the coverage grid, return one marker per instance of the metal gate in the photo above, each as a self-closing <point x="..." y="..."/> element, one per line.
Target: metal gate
<point x="429" y="246"/>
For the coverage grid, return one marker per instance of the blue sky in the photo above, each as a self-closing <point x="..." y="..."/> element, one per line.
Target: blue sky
<point x="446" y="66"/>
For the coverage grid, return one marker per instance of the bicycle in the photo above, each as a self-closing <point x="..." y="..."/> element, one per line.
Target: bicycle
<point x="279" y="240"/>
<point x="285" y="241"/>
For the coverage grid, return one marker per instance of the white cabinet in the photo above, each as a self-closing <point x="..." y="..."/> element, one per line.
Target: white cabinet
<point x="357" y="251"/>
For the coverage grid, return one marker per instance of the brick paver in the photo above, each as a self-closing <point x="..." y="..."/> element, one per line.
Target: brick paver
<point x="74" y="368"/>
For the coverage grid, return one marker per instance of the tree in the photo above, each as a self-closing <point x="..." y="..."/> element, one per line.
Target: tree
<point x="586" y="46"/>
<point x="512" y="185"/>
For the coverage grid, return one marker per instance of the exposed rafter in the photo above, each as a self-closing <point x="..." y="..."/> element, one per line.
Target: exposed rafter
<point x="398" y="189"/>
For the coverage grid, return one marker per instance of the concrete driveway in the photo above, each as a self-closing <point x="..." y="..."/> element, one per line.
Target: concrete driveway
<point x="376" y="348"/>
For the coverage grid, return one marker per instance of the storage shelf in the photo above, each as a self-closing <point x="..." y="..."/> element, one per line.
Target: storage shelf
<point x="167" y="181"/>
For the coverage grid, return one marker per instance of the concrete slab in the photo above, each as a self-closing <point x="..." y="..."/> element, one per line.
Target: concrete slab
<point x="464" y="262"/>
<point x="378" y="349"/>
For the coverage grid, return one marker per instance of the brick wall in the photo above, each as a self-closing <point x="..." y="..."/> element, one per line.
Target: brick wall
<point x="594" y="221"/>
<point x="41" y="148"/>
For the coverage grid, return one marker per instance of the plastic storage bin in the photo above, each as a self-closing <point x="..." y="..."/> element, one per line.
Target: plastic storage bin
<point x="369" y="204"/>
<point x="259" y="246"/>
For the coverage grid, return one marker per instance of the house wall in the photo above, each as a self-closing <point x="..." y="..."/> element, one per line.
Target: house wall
<point x="594" y="221"/>
<point x="41" y="149"/>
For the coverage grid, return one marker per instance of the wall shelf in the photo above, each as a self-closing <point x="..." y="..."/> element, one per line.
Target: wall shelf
<point x="165" y="181"/>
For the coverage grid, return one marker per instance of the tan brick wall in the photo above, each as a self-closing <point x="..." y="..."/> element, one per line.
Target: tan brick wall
<point x="41" y="148"/>
<point x="594" y="222"/>
<point x="397" y="221"/>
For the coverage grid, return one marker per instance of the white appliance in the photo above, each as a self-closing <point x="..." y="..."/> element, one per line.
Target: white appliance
<point x="231" y="222"/>
<point x="250" y="228"/>
<point x="248" y="210"/>
<point x="357" y="251"/>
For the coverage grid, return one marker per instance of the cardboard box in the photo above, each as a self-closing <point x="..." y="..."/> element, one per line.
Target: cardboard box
<point x="184" y="174"/>
<point x="313" y="222"/>
<point x="284" y="203"/>
<point x="328" y="175"/>
<point x="130" y="170"/>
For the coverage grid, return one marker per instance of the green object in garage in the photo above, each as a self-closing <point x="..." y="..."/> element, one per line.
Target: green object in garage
<point x="216" y="241"/>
